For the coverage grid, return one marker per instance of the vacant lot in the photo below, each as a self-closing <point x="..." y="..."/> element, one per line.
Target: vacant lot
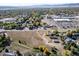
<point x="29" y="39"/>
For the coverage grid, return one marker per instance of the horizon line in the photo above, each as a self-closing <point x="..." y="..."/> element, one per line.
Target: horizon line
<point x="38" y="4"/>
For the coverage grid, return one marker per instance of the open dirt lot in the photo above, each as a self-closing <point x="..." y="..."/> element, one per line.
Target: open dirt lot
<point x="29" y="38"/>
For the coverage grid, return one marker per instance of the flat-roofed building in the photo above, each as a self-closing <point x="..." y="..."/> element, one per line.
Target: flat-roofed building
<point x="8" y="20"/>
<point x="61" y="19"/>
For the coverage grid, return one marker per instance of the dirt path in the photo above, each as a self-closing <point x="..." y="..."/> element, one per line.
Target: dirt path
<point x="59" y="46"/>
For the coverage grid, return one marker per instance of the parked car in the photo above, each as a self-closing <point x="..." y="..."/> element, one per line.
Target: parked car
<point x="56" y="41"/>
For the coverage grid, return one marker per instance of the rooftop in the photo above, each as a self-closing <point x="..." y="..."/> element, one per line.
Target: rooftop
<point x="61" y="19"/>
<point x="6" y="19"/>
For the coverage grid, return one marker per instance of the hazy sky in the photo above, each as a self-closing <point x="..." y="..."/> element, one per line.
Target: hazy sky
<point x="34" y="2"/>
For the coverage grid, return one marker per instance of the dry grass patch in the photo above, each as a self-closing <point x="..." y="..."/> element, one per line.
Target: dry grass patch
<point x="30" y="38"/>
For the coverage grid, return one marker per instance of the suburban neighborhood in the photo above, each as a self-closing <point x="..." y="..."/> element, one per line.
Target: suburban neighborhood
<point x="44" y="31"/>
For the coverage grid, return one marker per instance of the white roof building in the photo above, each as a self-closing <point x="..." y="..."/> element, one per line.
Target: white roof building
<point x="8" y="20"/>
<point x="62" y="20"/>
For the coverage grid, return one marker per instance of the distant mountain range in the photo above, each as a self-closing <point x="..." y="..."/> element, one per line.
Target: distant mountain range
<point x="70" y="5"/>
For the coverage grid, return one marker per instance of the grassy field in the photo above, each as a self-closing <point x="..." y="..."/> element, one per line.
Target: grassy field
<point x="29" y="39"/>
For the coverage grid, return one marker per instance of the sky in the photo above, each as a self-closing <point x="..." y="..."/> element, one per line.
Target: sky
<point x="34" y="2"/>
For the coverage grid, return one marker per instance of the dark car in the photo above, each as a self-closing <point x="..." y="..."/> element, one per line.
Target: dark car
<point x="56" y="41"/>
